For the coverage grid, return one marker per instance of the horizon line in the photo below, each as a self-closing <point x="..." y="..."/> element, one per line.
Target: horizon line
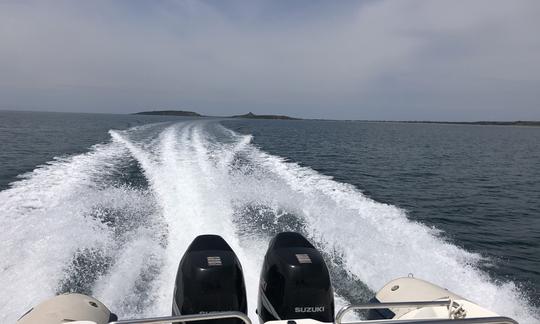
<point x="297" y="118"/>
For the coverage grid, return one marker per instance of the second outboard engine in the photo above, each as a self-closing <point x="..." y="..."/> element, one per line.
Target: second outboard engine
<point x="295" y="282"/>
<point x="209" y="279"/>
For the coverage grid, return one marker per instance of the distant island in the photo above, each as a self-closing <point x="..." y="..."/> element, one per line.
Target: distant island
<point x="249" y="115"/>
<point x="170" y="113"/>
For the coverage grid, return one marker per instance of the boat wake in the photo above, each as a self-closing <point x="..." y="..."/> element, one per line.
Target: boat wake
<point x="114" y="223"/>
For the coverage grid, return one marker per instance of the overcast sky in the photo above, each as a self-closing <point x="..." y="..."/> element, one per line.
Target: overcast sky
<point x="398" y="60"/>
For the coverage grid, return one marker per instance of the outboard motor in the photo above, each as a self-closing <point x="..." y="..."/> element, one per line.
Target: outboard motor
<point x="294" y="283"/>
<point x="209" y="279"/>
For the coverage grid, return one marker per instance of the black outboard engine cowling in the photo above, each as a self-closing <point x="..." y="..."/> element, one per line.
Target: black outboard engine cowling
<point x="209" y="279"/>
<point x="295" y="282"/>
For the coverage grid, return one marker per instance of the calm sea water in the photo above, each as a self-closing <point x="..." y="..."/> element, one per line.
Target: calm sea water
<point x="478" y="184"/>
<point x="29" y="139"/>
<point x="455" y="204"/>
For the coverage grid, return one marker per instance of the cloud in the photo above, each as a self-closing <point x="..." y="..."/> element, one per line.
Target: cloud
<point x="459" y="60"/>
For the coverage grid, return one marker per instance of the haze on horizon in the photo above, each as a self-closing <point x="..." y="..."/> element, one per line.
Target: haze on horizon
<point x="456" y="60"/>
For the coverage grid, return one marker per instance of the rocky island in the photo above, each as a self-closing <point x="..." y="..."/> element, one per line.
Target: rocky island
<point x="251" y="115"/>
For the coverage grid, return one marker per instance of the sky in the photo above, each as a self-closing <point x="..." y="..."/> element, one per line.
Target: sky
<point x="457" y="60"/>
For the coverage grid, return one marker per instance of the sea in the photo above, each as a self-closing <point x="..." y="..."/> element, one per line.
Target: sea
<point x="106" y="205"/>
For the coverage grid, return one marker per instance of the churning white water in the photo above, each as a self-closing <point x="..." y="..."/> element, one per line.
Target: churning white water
<point x="72" y="225"/>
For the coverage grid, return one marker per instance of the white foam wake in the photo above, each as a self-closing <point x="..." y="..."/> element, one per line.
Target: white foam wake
<point x="43" y="224"/>
<point x="203" y="178"/>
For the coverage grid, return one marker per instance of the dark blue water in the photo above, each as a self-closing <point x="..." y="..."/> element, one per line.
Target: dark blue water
<point x="478" y="185"/>
<point x="29" y="139"/>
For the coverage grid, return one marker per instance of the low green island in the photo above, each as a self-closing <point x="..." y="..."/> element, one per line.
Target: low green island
<point x="170" y="113"/>
<point x="185" y="113"/>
